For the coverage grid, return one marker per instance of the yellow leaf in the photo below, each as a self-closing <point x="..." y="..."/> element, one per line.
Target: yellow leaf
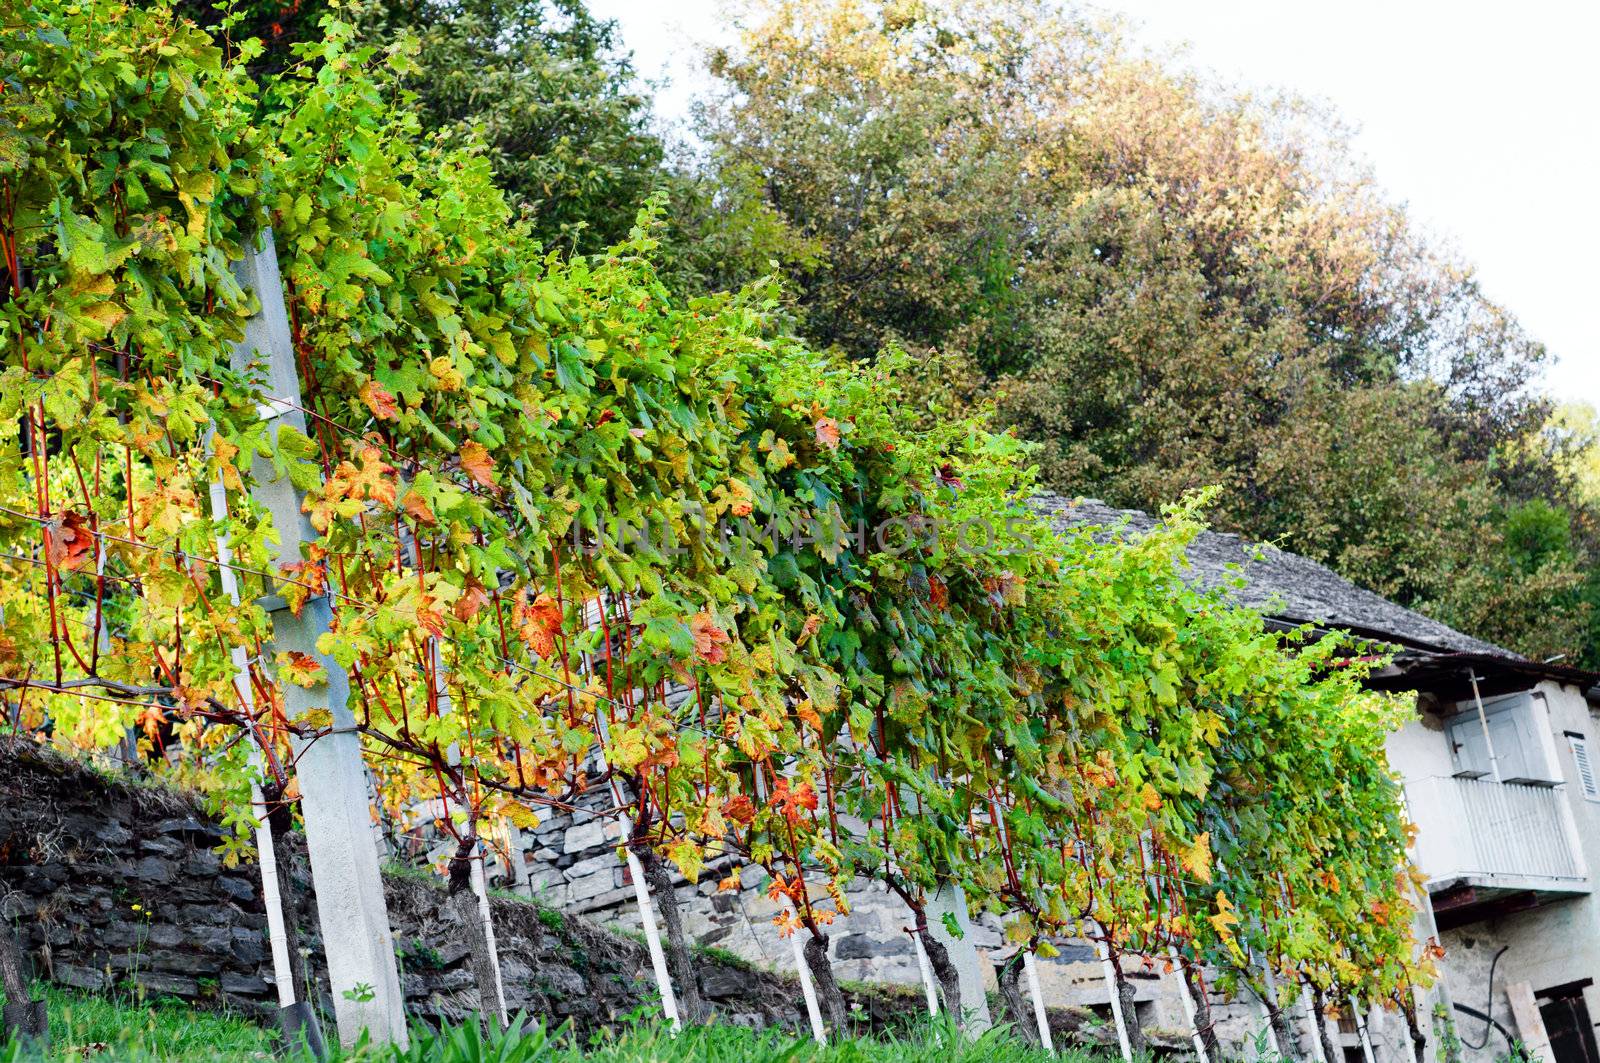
<point x="522" y="817"/>
<point x="1196" y="859"/>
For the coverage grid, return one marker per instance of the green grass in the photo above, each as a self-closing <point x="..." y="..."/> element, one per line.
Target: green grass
<point x="928" y="1043"/>
<point x="143" y="1031"/>
<point x="135" y="1032"/>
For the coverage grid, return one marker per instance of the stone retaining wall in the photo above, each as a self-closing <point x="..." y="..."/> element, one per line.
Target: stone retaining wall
<point x="115" y="886"/>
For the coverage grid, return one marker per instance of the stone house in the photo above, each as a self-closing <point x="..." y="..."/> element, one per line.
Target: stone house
<point x="1501" y="777"/>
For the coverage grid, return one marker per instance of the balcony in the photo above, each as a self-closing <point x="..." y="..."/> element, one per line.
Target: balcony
<point x="1494" y="839"/>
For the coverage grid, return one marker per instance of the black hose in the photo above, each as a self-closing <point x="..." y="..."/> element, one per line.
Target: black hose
<point x="1487" y="1014"/>
<point x="1474" y="1013"/>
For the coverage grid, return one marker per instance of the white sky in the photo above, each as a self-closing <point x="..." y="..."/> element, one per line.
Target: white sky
<point x="1483" y="118"/>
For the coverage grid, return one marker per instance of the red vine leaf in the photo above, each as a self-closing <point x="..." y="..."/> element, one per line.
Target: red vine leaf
<point x="538" y="623"/>
<point x="793" y="804"/>
<point x="739" y="809"/>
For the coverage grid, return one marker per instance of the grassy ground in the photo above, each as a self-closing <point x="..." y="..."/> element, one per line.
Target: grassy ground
<point x="129" y="1031"/>
<point x="123" y="1028"/>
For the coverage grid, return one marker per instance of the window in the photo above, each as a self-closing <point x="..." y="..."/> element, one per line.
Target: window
<point x="1517" y="733"/>
<point x="1586" y="766"/>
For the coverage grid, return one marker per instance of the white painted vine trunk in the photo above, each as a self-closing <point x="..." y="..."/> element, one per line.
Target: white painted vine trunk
<point x="266" y="849"/>
<point x="1190" y="1011"/>
<point x="1109" y="972"/>
<point x="819" y="1032"/>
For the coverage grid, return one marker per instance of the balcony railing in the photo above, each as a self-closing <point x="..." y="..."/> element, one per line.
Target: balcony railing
<point x="1494" y="834"/>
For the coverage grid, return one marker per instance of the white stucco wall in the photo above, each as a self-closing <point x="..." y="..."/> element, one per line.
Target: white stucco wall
<point x="1553" y="944"/>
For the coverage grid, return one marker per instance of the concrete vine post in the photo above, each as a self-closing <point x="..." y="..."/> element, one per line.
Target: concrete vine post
<point x="1367" y="1053"/>
<point x="930" y="988"/>
<point x="1272" y="1016"/>
<point x="354" y="916"/>
<point x="819" y="1031"/>
<point x="1318" y="1052"/>
<point x="1191" y="1007"/>
<point x="1030" y="969"/>
<point x="808" y="988"/>
<point x="652" y="935"/>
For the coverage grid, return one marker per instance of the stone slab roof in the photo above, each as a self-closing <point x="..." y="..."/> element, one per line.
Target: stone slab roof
<point x="1285" y="586"/>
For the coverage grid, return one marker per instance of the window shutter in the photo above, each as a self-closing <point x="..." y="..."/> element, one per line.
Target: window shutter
<point x="1586" y="766"/>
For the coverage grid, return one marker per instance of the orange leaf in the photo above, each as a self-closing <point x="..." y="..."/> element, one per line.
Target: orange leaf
<point x="418" y="508"/>
<point x="379" y="401"/>
<point x="430" y="617"/>
<point x="538" y="623"/>
<point x="68" y="542"/>
<point x="827" y="433"/>
<point x="301" y="669"/>
<point x="476" y="464"/>
<point x="151" y="719"/>
<point x="471" y="601"/>
<point x="739" y="809"/>
<point x="793" y="804"/>
<point x="373" y="477"/>
<point x="708" y="639"/>
<point x="807" y="713"/>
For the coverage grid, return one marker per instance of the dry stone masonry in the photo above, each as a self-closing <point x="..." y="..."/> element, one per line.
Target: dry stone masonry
<point x="115" y="885"/>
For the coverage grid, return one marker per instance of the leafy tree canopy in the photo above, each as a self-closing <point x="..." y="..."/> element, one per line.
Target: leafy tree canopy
<point x="545" y="87"/>
<point x="1164" y="283"/>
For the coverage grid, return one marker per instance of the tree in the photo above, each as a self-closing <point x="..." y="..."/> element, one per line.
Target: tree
<point x="1162" y="283"/>
<point x="553" y="97"/>
<point x="544" y="86"/>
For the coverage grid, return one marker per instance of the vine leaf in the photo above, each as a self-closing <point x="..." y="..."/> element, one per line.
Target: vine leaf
<point x="301" y="669"/>
<point x="379" y="401"/>
<point x="418" y="509"/>
<point x="69" y="543"/>
<point x="709" y="639"/>
<point x="475" y="463"/>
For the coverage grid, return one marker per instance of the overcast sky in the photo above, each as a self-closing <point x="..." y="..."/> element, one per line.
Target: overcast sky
<point x="1483" y="118"/>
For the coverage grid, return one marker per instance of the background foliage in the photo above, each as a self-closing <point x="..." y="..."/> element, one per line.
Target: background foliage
<point x="1164" y="283"/>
